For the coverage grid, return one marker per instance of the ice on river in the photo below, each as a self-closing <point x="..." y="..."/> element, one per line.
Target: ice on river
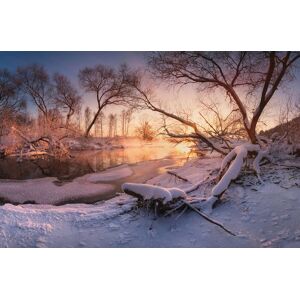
<point x="51" y="191"/>
<point x="111" y="174"/>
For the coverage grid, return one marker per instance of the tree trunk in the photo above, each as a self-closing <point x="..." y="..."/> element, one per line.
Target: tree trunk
<point x="252" y="130"/>
<point x="69" y="115"/>
<point x="87" y="132"/>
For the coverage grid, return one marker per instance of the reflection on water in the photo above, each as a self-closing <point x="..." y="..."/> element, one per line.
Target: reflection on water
<point x="83" y="162"/>
<point x="105" y="159"/>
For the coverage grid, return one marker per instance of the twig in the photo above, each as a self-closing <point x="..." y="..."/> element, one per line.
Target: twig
<point x="174" y="209"/>
<point x="178" y="176"/>
<point x="206" y="217"/>
<point x="197" y="185"/>
<point x="288" y="166"/>
<point x="183" y="211"/>
<point x="22" y="135"/>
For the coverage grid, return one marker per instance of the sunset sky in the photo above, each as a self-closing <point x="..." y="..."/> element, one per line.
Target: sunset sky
<point x="69" y="63"/>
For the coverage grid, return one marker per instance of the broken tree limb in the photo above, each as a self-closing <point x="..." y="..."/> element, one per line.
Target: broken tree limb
<point x="207" y="218"/>
<point x="178" y="176"/>
<point x="169" y="212"/>
<point x="234" y="160"/>
<point x="22" y="135"/>
<point x="197" y="185"/>
<point x="54" y="145"/>
<point x="183" y="211"/>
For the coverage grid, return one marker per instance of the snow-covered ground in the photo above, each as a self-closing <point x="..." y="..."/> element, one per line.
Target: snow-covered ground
<point x="262" y="215"/>
<point x="88" y="188"/>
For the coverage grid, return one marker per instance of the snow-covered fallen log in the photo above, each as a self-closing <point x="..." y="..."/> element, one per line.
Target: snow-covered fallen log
<point x="149" y="192"/>
<point x="154" y="197"/>
<point x="234" y="162"/>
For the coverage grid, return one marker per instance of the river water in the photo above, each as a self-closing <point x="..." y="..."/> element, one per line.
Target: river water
<point x="145" y="162"/>
<point x="84" y="162"/>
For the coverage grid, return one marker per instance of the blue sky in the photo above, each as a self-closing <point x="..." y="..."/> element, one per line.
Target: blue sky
<point x="69" y="63"/>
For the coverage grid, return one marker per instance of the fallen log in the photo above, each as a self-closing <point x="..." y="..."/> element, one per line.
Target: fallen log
<point x="55" y="146"/>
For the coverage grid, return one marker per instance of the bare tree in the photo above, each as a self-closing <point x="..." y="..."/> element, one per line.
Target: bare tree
<point x="297" y="107"/>
<point x="126" y="118"/>
<point x="115" y="125"/>
<point x="221" y="126"/>
<point x="9" y="92"/>
<point x="112" y="125"/>
<point x="145" y="131"/>
<point x="66" y="96"/>
<point x="110" y="87"/>
<point x="123" y="113"/>
<point x="240" y="76"/>
<point x="98" y="126"/>
<point x="237" y="74"/>
<point x="101" y="119"/>
<point x="145" y="98"/>
<point x="87" y="117"/>
<point x="286" y="111"/>
<point x="78" y="116"/>
<point x="11" y="102"/>
<point x="36" y="83"/>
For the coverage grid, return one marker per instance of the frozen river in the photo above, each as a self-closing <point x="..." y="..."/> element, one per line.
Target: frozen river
<point x="141" y="163"/>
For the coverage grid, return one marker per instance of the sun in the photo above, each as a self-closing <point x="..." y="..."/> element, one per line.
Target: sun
<point x="183" y="148"/>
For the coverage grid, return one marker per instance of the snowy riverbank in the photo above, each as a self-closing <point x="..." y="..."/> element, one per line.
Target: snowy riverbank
<point x="88" y="188"/>
<point x="49" y="190"/>
<point x="261" y="215"/>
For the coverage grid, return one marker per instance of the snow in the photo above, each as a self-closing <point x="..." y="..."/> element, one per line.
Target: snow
<point x="151" y="192"/>
<point x="227" y="159"/>
<point x="88" y="188"/>
<point x="260" y="155"/>
<point x="235" y="158"/>
<point x="116" y="173"/>
<point x="49" y="191"/>
<point x="46" y="225"/>
<point x="194" y="171"/>
<point x="177" y="193"/>
<point x="262" y="215"/>
<point x="240" y="154"/>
